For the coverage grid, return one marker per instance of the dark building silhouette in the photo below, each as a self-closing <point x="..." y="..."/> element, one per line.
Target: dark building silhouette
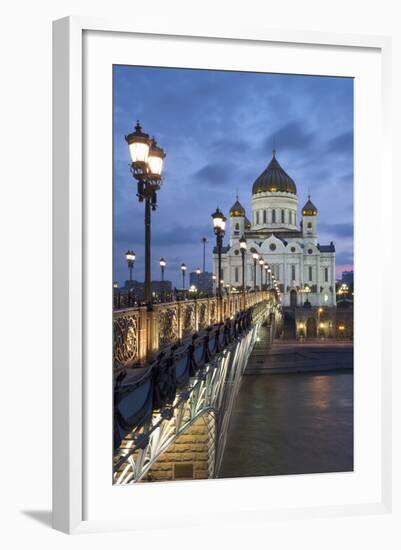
<point x="203" y="281"/>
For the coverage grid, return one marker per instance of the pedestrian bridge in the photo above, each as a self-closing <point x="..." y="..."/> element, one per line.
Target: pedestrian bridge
<point x="177" y="373"/>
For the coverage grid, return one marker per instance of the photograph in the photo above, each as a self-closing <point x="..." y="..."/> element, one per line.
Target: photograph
<point x="233" y="274"/>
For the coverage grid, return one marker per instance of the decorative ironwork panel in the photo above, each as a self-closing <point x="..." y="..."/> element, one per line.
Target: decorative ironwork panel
<point x="168" y="325"/>
<point x="213" y="312"/>
<point x="125" y="329"/>
<point x="202" y="319"/>
<point x="210" y="389"/>
<point x="188" y="326"/>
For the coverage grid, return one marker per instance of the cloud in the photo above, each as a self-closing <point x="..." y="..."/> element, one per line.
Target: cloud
<point x="344" y="258"/>
<point x="337" y="229"/>
<point x="171" y="236"/>
<point x="343" y="143"/>
<point x="292" y="136"/>
<point x="218" y="129"/>
<point x="214" y="174"/>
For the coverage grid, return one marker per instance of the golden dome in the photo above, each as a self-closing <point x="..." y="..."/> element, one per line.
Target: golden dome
<point x="274" y="180"/>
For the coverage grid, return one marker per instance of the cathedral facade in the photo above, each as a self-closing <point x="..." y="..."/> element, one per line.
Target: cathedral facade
<point x="303" y="268"/>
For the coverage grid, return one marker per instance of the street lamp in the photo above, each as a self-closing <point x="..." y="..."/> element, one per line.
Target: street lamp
<point x="242" y="247"/>
<point x="146" y="167"/>
<point x="193" y="290"/>
<point x="255" y="257"/>
<point x="219" y="226"/>
<point x="183" y="270"/>
<point x="343" y="291"/>
<point x="130" y="257"/>
<point x="198" y="272"/>
<point x="266" y="267"/>
<point x="162" y="263"/>
<point x="204" y="242"/>
<point x="214" y="283"/>
<point x="273" y="281"/>
<point x="307" y="291"/>
<point x="261" y="264"/>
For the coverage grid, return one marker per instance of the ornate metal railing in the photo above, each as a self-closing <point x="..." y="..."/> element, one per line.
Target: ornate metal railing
<point x="154" y="407"/>
<point x="140" y="333"/>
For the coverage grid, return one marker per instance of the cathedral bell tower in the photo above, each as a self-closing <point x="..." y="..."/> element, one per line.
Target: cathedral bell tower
<point x="309" y="221"/>
<point x="237" y="221"/>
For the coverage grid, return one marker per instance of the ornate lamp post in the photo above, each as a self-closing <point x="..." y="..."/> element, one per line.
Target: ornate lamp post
<point x="307" y="291"/>
<point x="242" y="247"/>
<point x="266" y="267"/>
<point x="255" y="257"/>
<point x="146" y="168"/>
<point x="261" y="264"/>
<point x="204" y="242"/>
<point x="219" y="226"/>
<point x="183" y="270"/>
<point x="193" y="291"/>
<point x="198" y="272"/>
<point x="214" y="283"/>
<point x="130" y="257"/>
<point x="162" y="263"/>
<point x="269" y="271"/>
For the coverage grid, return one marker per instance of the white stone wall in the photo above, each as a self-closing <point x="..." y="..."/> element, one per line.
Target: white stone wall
<point x="309" y="228"/>
<point x="284" y="204"/>
<point x="237" y="228"/>
<point x="295" y="264"/>
<point x="299" y="257"/>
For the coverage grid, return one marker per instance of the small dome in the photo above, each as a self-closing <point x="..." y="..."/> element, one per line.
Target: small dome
<point x="237" y="210"/>
<point x="274" y="180"/>
<point x="309" y="209"/>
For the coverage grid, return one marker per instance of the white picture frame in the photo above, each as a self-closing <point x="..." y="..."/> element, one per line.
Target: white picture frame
<point x="71" y="309"/>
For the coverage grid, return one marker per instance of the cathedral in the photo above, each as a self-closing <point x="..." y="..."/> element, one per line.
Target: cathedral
<point x="303" y="268"/>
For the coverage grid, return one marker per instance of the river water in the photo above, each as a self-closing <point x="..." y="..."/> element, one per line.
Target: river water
<point x="291" y="424"/>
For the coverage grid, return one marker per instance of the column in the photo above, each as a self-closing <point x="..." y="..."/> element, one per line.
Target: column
<point x="318" y="281"/>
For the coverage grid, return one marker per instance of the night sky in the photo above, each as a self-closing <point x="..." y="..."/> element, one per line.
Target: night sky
<point x="218" y="130"/>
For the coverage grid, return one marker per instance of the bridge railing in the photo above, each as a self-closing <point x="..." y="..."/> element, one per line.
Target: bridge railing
<point x="153" y="406"/>
<point x="139" y="333"/>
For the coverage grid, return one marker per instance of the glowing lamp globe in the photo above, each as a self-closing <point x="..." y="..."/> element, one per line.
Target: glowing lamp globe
<point x="138" y="145"/>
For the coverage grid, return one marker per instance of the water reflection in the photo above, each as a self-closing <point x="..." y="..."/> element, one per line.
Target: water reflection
<point x="291" y="423"/>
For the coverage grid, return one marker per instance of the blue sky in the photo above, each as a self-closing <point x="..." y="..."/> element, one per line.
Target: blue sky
<point x="218" y="129"/>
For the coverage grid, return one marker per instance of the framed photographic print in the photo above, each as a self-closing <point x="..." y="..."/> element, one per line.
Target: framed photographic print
<point x="219" y="195"/>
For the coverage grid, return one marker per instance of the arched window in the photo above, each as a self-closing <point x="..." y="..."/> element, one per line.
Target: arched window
<point x="282" y="216"/>
<point x="273" y="216"/>
<point x="257" y="217"/>
<point x="264" y="216"/>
